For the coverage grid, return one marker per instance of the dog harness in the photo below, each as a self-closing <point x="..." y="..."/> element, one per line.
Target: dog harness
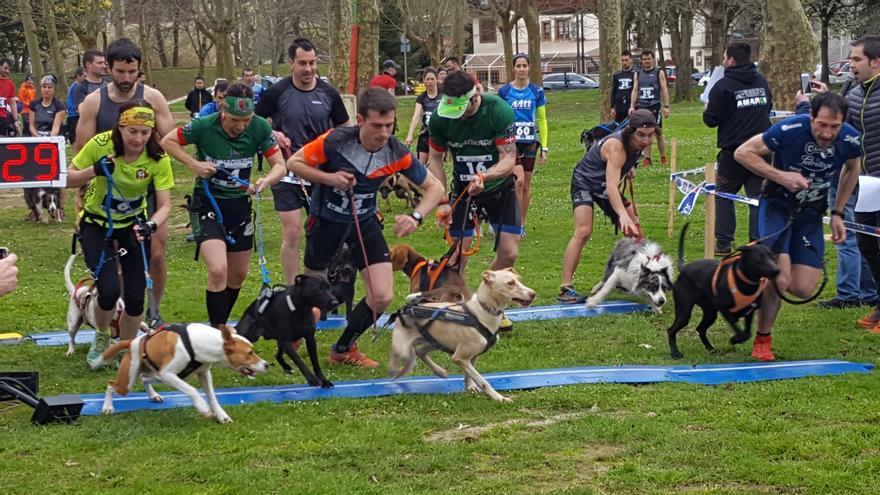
<point x="183" y="333"/>
<point x="740" y="300"/>
<point x="416" y="311"/>
<point x="84" y="305"/>
<point x="432" y="271"/>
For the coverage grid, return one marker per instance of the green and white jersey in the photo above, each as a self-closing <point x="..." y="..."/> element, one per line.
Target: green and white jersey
<point x="131" y="179"/>
<point x="473" y="141"/>
<point x="233" y="156"/>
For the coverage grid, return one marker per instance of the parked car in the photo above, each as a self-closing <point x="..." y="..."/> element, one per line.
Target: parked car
<point x="670" y="74"/>
<point x="697" y="77"/>
<point x="838" y="72"/>
<point x="568" y="80"/>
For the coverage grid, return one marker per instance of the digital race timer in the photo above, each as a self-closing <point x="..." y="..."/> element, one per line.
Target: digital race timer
<point x="32" y="162"/>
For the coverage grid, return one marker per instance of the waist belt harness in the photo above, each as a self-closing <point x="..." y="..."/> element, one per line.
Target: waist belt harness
<point x="183" y="333"/>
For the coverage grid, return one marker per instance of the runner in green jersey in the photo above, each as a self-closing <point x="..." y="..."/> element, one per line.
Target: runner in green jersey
<point x="478" y="131"/>
<point x="220" y="208"/>
<point x="119" y="165"/>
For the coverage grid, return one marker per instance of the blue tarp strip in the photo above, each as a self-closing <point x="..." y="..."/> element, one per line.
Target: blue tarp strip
<point x="87" y="335"/>
<point x="710" y="374"/>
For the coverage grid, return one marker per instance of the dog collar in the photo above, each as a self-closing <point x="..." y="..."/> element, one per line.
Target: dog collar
<point x="491" y="311"/>
<point x="290" y="303"/>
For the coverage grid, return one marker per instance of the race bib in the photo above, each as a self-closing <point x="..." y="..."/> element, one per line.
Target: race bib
<point x="469" y="165"/>
<point x="363" y="203"/>
<point x="646" y="93"/>
<point x="815" y="196"/>
<point x="525" y="131"/>
<point x="292" y="179"/>
<point x="427" y="118"/>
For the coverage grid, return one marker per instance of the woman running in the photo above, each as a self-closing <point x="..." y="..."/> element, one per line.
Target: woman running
<point x="530" y="107"/>
<point x="426" y="104"/>
<point x="119" y="165"/>
<point x="48" y="113"/>
<point x="220" y="208"/>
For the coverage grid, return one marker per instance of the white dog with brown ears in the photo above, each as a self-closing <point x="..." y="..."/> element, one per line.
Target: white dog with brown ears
<point x="639" y="268"/>
<point x="83" y="304"/>
<point x="464" y="330"/>
<point x="171" y="353"/>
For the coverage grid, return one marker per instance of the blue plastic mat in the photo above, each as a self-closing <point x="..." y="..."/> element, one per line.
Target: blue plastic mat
<point x="712" y="374"/>
<point x="87" y="335"/>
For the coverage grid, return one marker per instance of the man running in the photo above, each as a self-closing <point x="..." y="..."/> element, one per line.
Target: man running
<point x="478" y="130"/>
<point x="649" y="92"/>
<point x="808" y="151"/>
<point x="594" y="182"/>
<point x="300" y="108"/>
<point x="99" y="112"/>
<point x="347" y="166"/>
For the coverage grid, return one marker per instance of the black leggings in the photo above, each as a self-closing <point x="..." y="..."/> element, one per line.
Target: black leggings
<point x="133" y="278"/>
<point x="869" y="246"/>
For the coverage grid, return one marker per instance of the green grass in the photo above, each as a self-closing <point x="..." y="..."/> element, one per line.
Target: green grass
<point x="817" y="435"/>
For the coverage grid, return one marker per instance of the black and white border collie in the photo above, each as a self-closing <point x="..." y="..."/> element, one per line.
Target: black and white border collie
<point x="639" y="268"/>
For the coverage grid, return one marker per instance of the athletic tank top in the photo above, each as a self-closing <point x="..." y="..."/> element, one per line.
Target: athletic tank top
<point x="591" y="169"/>
<point x="649" y="88"/>
<point x="108" y="110"/>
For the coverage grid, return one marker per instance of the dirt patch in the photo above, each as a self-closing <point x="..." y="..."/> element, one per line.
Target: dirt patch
<point x="11" y="198"/>
<point x="468" y="433"/>
<point x="584" y="468"/>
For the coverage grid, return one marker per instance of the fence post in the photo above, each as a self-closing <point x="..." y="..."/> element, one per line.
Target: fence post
<point x="709" y="242"/>
<point x="670" y="224"/>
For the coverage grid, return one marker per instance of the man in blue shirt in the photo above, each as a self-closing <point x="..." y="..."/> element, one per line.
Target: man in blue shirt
<point x="220" y="87"/>
<point x="808" y="151"/>
<point x="72" y="113"/>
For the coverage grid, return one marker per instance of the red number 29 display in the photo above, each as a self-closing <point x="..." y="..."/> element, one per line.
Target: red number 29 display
<point x="32" y="162"/>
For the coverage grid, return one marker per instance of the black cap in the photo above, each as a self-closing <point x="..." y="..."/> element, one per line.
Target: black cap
<point x="642" y="118"/>
<point x="390" y="63"/>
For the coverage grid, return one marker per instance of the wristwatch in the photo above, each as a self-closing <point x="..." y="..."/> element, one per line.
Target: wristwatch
<point x="836" y="212"/>
<point x="417" y="217"/>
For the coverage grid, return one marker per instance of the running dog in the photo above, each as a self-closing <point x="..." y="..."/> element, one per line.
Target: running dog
<point x="403" y="188"/>
<point x="463" y="330"/>
<point x="42" y="200"/>
<point x="84" y="304"/>
<point x="288" y="315"/>
<point x="639" y="268"/>
<point x="732" y="286"/>
<point x="431" y="280"/>
<point x="173" y="352"/>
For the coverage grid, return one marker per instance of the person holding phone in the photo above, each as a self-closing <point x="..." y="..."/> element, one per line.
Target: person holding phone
<point x="8" y="271"/>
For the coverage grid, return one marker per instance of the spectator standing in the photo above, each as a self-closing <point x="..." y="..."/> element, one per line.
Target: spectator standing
<point x="197" y="98"/>
<point x="739" y="106"/>
<point x="72" y="112"/>
<point x="9" y="124"/>
<point x="621" y="88"/>
<point x="26" y="94"/>
<point x="651" y="93"/>
<point x="95" y="78"/>
<point x="47" y="113"/>
<point x="387" y="80"/>
<point x="250" y="80"/>
<point x="220" y="87"/>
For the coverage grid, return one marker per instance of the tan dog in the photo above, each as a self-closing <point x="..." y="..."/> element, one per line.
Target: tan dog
<point x="464" y="330"/>
<point x="163" y="355"/>
<point x="83" y="304"/>
<point x="427" y="278"/>
<point x="403" y="188"/>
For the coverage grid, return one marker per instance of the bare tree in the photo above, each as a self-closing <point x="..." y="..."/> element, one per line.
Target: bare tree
<point x="681" y="28"/>
<point x="86" y="19"/>
<point x="118" y="16"/>
<point x="144" y="42"/>
<point x="54" y="45"/>
<point x="528" y="9"/>
<point x="250" y="56"/>
<point x="609" y="50"/>
<point x="789" y="48"/>
<point x="425" y="23"/>
<point x="30" y="36"/>
<point x="827" y="13"/>
<point x="216" y="20"/>
<point x="507" y="16"/>
<point x="201" y="44"/>
<point x="340" y="41"/>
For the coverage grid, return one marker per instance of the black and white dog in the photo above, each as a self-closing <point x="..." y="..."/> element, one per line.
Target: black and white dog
<point x="41" y="200"/>
<point x="637" y="267"/>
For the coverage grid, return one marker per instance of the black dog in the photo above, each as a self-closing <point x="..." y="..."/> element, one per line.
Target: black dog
<point x="732" y="286"/>
<point x="341" y="273"/>
<point x="286" y="316"/>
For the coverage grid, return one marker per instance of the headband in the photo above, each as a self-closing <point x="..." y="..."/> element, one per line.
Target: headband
<point x="138" y="116"/>
<point x="241" y="106"/>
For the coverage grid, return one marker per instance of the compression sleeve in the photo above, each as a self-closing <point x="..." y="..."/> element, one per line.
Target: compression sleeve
<point x="543" y="132"/>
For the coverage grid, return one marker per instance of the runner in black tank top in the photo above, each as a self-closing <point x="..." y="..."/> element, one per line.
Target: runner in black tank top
<point x="651" y="92"/>
<point x="108" y="110"/>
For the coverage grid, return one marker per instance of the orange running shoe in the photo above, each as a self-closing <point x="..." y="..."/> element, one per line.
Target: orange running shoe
<point x="352" y="357"/>
<point x="762" y="349"/>
<point x="662" y="160"/>
<point x="646" y="162"/>
<point x="869" y="321"/>
<point x="876" y="329"/>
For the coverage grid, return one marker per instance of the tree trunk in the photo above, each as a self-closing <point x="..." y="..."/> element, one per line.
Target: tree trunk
<point x="30" y="37"/>
<point x="823" y="48"/>
<point x="368" y="41"/>
<point x="144" y="42"/>
<point x="248" y="35"/>
<point x="529" y="12"/>
<point x="459" y="31"/>
<point x="54" y="46"/>
<point x="609" y="50"/>
<point x="681" y="27"/>
<point x="118" y="14"/>
<point x="505" y="27"/>
<point x="225" y="61"/>
<point x="340" y="41"/>
<point x="717" y="27"/>
<point x="160" y="44"/>
<point x="788" y="49"/>
<point x="175" y="43"/>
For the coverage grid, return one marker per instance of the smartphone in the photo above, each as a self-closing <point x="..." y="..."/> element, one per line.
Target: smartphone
<point x="805" y="84"/>
<point x="4" y="252"/>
